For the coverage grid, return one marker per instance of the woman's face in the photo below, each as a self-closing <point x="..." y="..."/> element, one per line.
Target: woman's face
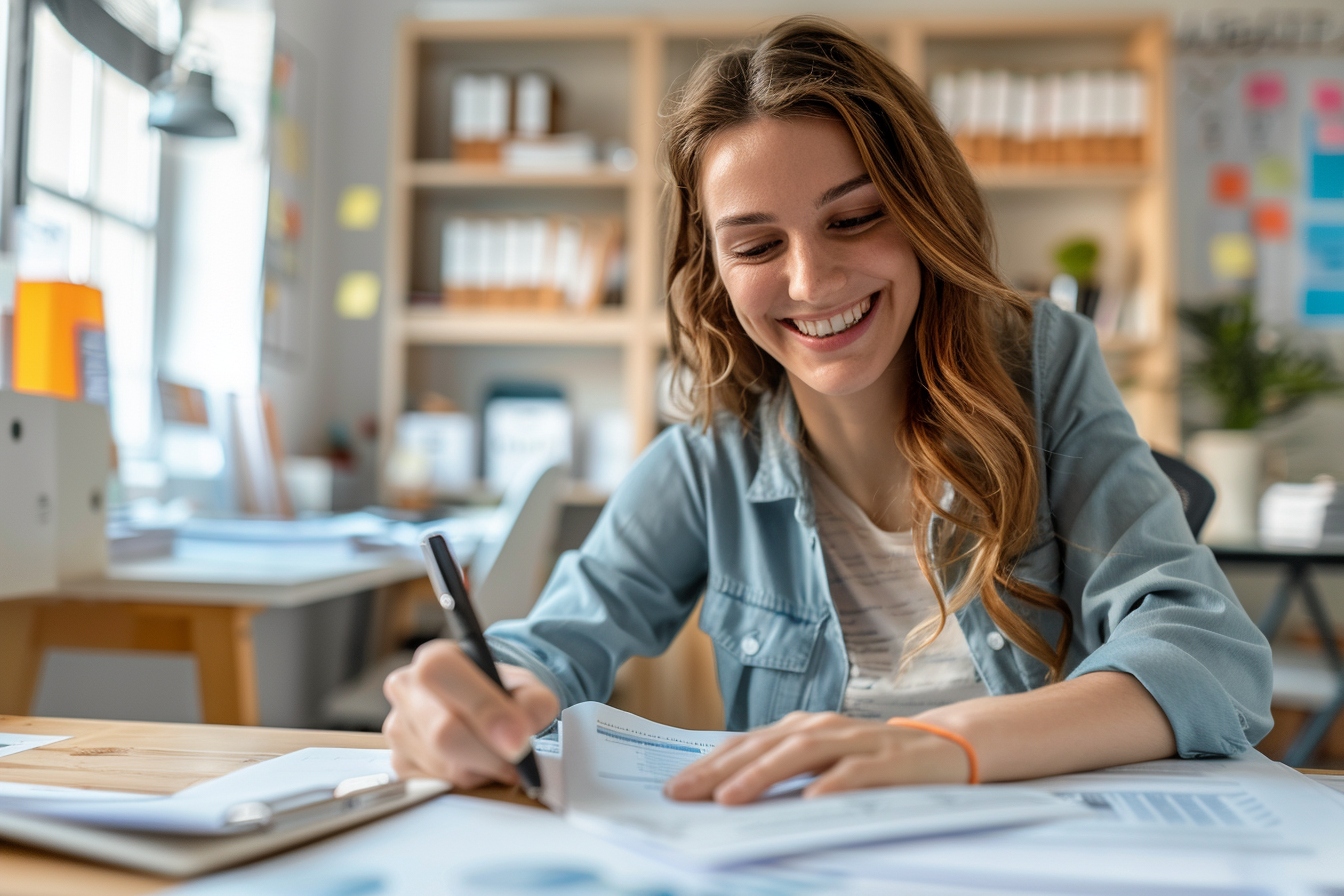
<point x="819" y="274"/>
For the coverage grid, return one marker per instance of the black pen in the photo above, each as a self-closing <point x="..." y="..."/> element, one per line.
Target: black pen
<point x="451" y="590"/>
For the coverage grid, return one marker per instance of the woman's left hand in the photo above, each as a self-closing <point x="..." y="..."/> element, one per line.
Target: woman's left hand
<point x="844" y="754"/>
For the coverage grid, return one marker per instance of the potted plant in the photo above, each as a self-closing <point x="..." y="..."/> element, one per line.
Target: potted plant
<point x="1077" y="259"/>
<point x="1253" y="375"/>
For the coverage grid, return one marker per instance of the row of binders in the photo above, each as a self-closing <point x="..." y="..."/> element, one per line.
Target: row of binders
<point x="489" y="108"/>
<point x="1077" y="117"/>
<point x="557" y="261"/>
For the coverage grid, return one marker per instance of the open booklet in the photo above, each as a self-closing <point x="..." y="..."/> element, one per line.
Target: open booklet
<point x="614" y="765"/>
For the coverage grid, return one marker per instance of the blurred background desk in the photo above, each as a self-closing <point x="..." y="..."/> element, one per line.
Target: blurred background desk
<point x="1314" y="681"/>
<point x="197" y="605"/>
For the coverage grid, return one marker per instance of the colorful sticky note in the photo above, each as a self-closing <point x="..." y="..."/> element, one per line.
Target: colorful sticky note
<point x="359" y="207"/>
<point x="1327" y="175"/>
<point x="1275" y="174"/>
<point x="1264" y="90"/>
<point x="1227" y="184"/>
<point x="1330" y="134"/>
<point x="357" y="295"/>
<point x="293" y="142"/>
<point x="1327" y="97"/>
<point x="275" y="215"/>
<point x="1269" y="221"/>
<point x="270" y="296"/>
<point x="1232" y="256"/>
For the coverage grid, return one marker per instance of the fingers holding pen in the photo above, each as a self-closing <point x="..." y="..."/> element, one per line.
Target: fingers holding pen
<point x="450" y="721"/>
<point x="443" y="671"/>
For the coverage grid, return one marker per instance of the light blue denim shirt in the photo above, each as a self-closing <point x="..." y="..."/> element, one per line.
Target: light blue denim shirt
<point x="728" y="513"/>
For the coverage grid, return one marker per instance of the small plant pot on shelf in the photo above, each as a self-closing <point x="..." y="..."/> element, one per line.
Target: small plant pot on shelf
<point x="1234" y="461"/>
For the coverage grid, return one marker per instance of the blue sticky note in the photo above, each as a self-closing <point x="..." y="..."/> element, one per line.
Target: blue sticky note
<point x="1325" y="251"/>
<point x="1323" y="303"/>
<point x="1327" y="175"/>
<point x="1323" y="280"/>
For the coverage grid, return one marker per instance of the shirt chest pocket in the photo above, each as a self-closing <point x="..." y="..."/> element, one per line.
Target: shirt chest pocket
<point x="744" y="625"/>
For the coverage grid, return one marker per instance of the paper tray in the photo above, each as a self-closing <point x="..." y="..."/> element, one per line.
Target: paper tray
<point x="179" y="856"/>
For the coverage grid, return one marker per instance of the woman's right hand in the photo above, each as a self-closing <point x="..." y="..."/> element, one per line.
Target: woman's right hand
<point x="450" y="721"/>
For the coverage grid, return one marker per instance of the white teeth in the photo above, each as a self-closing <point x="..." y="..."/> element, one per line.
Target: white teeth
<point x="837" y="324"/>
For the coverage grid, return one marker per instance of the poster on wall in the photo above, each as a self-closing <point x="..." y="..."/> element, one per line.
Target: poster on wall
<point x="1260" y="175"/>
<point x="287" y="270"/>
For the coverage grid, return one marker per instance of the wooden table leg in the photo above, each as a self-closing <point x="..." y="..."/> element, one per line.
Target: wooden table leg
<point x="18" y="665"/>
<point x="222" y="642"/>
<point x="220" y="637"/>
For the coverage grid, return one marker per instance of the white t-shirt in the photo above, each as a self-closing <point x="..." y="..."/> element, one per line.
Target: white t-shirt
<point x="880" y="595"/>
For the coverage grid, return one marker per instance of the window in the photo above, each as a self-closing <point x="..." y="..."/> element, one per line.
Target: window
<point x="92" y="168"/>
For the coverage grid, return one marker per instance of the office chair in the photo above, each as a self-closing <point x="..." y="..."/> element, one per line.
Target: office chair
<point x="1196" y="492"/>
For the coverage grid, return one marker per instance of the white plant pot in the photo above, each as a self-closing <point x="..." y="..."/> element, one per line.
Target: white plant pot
<point x="1234" y="461"/>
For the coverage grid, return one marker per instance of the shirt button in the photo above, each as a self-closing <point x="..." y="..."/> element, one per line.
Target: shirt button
<point x="994" y="640"/>
<point x="750" y="646"/>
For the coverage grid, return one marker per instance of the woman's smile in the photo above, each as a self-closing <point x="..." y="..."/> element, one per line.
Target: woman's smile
<point x="829" y="332"/>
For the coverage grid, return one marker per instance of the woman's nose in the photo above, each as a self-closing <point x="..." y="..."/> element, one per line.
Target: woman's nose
<point x="815" y="271"/>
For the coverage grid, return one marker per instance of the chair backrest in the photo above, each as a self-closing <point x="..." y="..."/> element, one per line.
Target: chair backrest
<point x="1196" y="492"/>
<point x="508" y="568"/>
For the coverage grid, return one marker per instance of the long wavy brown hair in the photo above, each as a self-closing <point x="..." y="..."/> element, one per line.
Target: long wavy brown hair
<point x="967" y="425"/>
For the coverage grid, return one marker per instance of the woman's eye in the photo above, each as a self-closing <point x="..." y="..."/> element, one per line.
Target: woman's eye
<point x="756" y="251"/>
<point x="859" y="221"/>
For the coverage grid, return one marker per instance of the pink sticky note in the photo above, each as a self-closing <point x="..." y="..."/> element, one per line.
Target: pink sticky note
<point x="1264" y="90"/>
<point x="1327" y="97"/>
<point x="1330" y="134"/>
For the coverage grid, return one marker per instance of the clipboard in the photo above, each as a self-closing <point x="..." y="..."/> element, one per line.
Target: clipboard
<point x="177" y="855"/>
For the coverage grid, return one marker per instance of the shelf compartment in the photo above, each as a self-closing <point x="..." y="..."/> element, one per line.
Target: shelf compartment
<point x="443" y="174"/>
<point x="1060" y="177"/>
<point x="514" y="326"/>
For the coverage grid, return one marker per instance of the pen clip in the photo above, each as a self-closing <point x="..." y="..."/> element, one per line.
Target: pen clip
<point x="349" y="794"/>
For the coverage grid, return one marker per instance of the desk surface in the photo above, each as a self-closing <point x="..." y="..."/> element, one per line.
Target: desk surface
<point x="256" y="578"/>
<point x="147" y="757"/>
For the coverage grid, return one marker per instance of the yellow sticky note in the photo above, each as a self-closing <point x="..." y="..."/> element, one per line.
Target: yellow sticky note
<point x="275" y="215"/>
<point x="1275" y="174"/>
<point x="1232" y="256"/>
<point x="359" y="207"/>
<point x="293" y="142"/>
<point x="357" y="295"/>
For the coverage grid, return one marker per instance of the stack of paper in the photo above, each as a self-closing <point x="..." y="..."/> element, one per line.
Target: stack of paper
<point x="615" y="765"/>
<point x="1198" y="827"/>
<point x="1309" y="515"/>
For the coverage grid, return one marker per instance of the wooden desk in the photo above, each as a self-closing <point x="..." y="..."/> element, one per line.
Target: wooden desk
<point x="199" y="606"/>
<point x="146" y="757"/>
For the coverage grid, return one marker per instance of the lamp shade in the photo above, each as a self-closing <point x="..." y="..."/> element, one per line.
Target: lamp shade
<point x="187" y="108"/>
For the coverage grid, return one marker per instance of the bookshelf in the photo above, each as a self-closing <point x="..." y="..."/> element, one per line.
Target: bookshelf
<point x="613" y="75"/>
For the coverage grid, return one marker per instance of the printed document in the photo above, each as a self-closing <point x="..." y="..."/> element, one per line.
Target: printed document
<point x="11" y="743"/>
<point x="1243" y="825"/>
<point x="615" y="764"/>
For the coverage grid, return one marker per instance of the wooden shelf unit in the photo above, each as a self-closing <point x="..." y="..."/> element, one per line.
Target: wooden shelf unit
<point x="646" y="57"/>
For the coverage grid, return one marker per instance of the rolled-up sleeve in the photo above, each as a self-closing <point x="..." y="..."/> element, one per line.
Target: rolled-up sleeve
<point x="1148" y="600"/>
<point x="631" y="586"/>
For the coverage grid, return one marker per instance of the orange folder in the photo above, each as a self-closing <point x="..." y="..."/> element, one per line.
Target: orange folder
<point x="60" y="344"/>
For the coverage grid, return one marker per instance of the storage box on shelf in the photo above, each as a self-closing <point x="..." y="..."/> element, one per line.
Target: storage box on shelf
<point x="610" y="77"/>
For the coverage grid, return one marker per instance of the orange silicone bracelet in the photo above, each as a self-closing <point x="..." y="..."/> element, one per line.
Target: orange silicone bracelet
<point x="902" y="722"/>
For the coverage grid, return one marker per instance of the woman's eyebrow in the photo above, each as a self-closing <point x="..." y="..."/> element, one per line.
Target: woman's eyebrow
<point x="830" y="195"/>
<point x="739" y="220"/>
<point x="848" y="186"/>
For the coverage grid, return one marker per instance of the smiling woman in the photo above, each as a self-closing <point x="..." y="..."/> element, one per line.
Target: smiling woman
<point x="931" y="545"/>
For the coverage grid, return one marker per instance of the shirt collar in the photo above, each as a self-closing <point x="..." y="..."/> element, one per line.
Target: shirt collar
<point x="780" y="475"/>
